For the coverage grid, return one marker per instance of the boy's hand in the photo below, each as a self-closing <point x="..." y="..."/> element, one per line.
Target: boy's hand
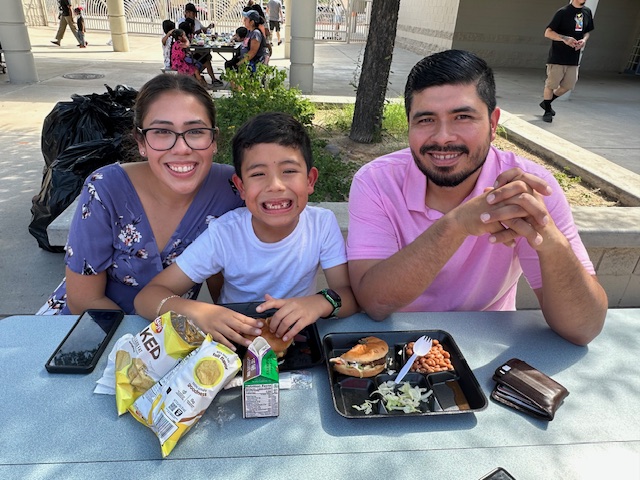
<point x="225" y="325"/>
<point x="294" y="313"/>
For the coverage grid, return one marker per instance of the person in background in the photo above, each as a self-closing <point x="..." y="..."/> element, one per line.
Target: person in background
<point x="167" y="41"/>
<point x="568" y="31"/>
<point x="239" y="37"/>
<point x="263" y="27"/>
<point x="66" y="20"/>
<point x="451" y="223"/>
<point x="134" y="219"/>
<point x="180" y="54"/>
<point x="81" y="28"/>
<point x="202" y="60"/>
<point x="338" y="17"/>
<point x="269" y="251"/>
<point x="190" y="11"/>
<point x="258" y="51"/>
<point x="251" y="5"/>
<point x="274" y="10"/>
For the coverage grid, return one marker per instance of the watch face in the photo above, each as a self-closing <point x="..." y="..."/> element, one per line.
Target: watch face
<point x="336" y="298"/>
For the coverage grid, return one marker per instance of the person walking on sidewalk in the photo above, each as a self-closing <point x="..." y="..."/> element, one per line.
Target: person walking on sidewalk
<point x="66" y="18"/>
<point x="81" y="28"/>
<point x="274" y="10"/>
<point x="569" y="30"/>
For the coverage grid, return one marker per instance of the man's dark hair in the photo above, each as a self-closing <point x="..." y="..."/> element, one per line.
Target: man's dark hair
<point x="451" y="67"/>
<point x="271" y="127"/>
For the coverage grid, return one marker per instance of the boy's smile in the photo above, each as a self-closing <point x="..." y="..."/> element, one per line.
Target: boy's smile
<point x="275" y="186"/>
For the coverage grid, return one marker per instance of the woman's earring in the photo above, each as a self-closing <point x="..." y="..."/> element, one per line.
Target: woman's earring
<point x="143" y="153"/>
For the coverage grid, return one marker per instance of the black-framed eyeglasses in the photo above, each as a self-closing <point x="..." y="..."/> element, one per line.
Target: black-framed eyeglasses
<point x="162" y="139"/>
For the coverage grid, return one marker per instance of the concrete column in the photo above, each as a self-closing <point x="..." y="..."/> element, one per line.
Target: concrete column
<point x="287" y="29"/>
<point x="302" y="26"/>
<point x="118" y="25"/>
<point x="21" y="66"/>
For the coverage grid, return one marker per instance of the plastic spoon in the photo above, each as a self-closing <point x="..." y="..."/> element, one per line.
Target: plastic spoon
<point x="420" y="348"/>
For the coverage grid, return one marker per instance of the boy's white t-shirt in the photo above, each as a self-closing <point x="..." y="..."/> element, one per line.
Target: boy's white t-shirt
<point x="252" y="268"/>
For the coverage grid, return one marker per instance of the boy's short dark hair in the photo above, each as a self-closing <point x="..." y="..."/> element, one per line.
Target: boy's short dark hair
<point x="271" y="127"/>
<point x="168" y="25"/>
<point x="242" y="32"/>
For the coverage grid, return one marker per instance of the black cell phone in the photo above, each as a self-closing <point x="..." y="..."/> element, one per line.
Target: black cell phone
<point x="498" y="474"/>
<point x="81" y="348"/>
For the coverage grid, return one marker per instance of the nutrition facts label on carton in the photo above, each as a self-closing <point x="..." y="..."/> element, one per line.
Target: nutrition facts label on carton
<point x="261" y="401"/>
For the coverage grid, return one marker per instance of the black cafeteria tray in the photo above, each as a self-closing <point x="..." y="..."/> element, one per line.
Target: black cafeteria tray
<point x="304" y="352"/>
<point x="454" y="392"/>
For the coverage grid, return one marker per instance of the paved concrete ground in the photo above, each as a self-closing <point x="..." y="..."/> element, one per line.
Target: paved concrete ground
<point x="602" y="116"/>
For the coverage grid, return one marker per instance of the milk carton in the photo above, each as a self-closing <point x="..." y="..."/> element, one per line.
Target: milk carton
<point x="260" y="389"/>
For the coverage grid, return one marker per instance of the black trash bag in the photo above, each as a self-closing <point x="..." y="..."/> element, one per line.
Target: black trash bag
<point x="123" y="95"/>
<point x="77" y="138"/>
<point x="87" y="118"/>
<point x="63" y="181"/>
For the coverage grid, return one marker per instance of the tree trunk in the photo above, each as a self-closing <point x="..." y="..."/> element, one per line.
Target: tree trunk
<point x="372" y="87"/>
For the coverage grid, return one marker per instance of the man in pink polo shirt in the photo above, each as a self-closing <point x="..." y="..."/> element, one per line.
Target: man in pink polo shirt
<point x="451" y="223"/>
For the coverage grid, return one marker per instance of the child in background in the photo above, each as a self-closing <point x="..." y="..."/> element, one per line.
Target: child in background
<point x="179" y="53"/>
<point x="241" y="36"/>
<point x="81" y="30"/>
<point x="202" y="60"/>
<point x="269" y="251"/>
<point x="167" y="27"/>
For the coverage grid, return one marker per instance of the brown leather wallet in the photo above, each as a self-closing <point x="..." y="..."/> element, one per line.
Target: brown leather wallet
<point x="522" y="387"/>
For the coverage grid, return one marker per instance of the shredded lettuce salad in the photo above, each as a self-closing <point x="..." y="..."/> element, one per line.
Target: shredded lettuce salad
<point x="405" y="398"/>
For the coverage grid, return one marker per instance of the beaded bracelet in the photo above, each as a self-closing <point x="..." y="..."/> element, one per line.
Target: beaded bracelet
<point x="163" y="301"/>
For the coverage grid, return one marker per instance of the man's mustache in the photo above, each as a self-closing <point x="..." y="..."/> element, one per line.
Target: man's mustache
<point x="448" y="149"/>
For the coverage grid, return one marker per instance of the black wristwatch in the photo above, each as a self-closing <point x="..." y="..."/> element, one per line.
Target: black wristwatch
<point x="333" y="298"/>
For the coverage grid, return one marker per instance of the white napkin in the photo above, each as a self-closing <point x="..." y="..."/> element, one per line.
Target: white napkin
<point x="107" y="383"/>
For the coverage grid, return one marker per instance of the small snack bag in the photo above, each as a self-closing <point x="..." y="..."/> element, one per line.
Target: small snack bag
<point x="176" y="403"/>
<point x="142" y="360"/>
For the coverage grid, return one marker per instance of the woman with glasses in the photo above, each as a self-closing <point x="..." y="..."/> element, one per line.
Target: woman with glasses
<point x="134" y="219"/>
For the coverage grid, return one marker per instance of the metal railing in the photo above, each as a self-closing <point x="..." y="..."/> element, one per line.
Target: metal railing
<point x="336" y="20"/>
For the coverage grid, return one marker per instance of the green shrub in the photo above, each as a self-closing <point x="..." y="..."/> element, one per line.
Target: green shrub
<point x="335" y="174"/>
<point x="254" y="93"/>
<point x="265" y="91"/>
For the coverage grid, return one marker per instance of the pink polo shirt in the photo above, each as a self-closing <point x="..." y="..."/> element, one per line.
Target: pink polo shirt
<point x="387" y="212"/>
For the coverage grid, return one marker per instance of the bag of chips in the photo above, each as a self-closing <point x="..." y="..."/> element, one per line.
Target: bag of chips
<point x="143" y="359"/>
<point x="177" y="401"/>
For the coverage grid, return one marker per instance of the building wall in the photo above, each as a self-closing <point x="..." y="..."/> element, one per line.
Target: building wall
<point x="510" y="33"/>
<point x="426" y="26"/>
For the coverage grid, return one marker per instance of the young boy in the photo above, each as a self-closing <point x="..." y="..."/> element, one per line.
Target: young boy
<point x="239" y="37"/>
<point x="167" y="41"/>
<point x="269" y="250"/>
<point x="82" y="43"/>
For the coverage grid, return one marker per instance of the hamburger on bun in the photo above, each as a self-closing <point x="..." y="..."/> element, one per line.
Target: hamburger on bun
<point x="278" y="345"/>
<point x="367" y="359"/>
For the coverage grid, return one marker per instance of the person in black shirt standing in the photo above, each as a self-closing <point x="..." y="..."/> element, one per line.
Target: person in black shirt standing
<point x="569" y="30"/>
<point x="66" y="18"/>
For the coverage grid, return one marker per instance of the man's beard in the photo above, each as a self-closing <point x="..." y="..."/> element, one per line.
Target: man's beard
<point x="442" y="176"/>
